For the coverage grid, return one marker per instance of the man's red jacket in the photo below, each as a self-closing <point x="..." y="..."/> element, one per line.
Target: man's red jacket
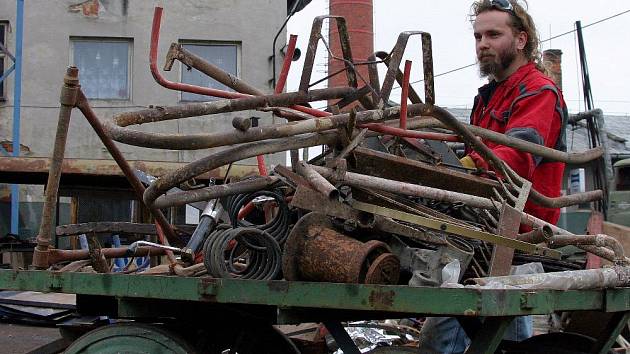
<point x="529" y="106"/>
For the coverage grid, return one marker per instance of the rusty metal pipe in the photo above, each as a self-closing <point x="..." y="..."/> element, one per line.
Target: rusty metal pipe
<point x="57" y="255"/>
<point x="177" y="51"/>
<point x="214" y="192"/>
<point x="68" y="98"/>
<point x="568" y="280"/>
<point x="371" y="182"/>
<point x="605" y="253"/>
<point x="537" y="235"/>
<point x="405" y="133"/>
<point x="316" y="180"/>
<point x="155" y="38"/>
<point x="374" y="78"/>
<point x="202" y="141"/>
<point x="502" y="139"/>
<point x="232" y="154"/>
<point x="599" y="240"/>
<point x="159" y="114"/>
<point x="84" y="107"/>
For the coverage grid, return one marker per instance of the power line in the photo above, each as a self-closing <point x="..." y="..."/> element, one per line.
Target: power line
<point x="543" y="41"/>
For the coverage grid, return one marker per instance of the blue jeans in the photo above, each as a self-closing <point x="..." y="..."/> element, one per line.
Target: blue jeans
<point x="444" y="335"/>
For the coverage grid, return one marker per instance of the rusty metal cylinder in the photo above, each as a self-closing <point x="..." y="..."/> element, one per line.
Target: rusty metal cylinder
<point x="315" y="251"/>
<point x="241" y="123"/>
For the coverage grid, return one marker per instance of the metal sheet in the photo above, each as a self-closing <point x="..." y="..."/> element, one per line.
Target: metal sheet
<point x="509" y="223"/>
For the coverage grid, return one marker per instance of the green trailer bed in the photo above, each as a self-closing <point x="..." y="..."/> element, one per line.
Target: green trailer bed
<point x="283" y="302"/>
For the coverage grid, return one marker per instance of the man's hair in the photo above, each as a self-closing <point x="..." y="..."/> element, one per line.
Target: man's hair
<point x="520" y="20"/>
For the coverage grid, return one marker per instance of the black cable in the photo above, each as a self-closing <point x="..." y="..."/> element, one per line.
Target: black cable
<point x="278" y="227"/>
<point x="244" y="253"/>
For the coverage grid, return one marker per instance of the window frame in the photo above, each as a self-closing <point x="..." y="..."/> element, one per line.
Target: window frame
<point x="182" y="66"/>
<point x="130" y="46"/>
<point x="3" y="65"/>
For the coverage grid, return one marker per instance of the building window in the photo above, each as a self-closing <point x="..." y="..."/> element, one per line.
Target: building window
<point x="103" y="67"/>
<point x="223" y="55"/>
<point x="3" y="26"/>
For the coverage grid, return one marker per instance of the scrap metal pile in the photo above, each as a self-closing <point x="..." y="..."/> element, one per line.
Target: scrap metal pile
<point x="385" y="203"/>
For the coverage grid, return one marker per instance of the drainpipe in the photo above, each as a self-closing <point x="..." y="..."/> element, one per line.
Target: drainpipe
<point x="17" y="97"/>
<point x="359" y="19"/>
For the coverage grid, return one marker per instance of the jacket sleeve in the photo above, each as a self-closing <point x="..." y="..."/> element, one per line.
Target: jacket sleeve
<point x="535" y="118"/>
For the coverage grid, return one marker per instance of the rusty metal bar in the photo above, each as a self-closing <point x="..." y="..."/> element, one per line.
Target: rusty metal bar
<point x="538" y="150"/>
<point x="404" y="133"/>
<point x="214" y="192"/>
<point x="155" y="36"/>
<point x="394" y="64"/>
<point x="537" y="235"/>
<point x="158" y="114"/>
<point x="84" y="107"/>
<point x="309" y="58"/>
<point x="374" y="78"/>
<point x="232" y="154"/>
<point x="202" y="141"/>
<point x="316" y="180"/>
<point x="605" y="253"/>
<point x="568" y="280"/>
<point x="599" y="240"/>
<point x="57" y="255"/>
<point x="177" y="51"/>
<point x="365" y="181"/>
<point x="67" y="99"/>
<point x="404" y="94"/>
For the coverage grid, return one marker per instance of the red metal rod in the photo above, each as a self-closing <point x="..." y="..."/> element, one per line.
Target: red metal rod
<point x="403" y="133"/>
<point x="155" y="37"/>
<point x="404" y="95"/>
<point x="248" y="208"/>
<point x="286" y="64"/>
<point x="262" y="169"/>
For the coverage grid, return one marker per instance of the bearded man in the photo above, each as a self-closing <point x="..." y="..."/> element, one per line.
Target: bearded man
<point x="521" y="102"/>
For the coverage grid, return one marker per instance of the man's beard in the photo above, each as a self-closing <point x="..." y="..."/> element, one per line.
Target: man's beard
<point x="491" y="68"/>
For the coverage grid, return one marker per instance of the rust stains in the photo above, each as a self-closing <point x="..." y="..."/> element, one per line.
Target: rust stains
<point x="7" y="145"/>
<point x="89" y="8"/>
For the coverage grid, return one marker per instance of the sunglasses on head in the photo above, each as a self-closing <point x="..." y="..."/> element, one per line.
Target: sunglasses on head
<point x="503" y="5"/>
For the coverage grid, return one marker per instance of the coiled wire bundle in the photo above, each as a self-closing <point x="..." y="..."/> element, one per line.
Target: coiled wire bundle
<point x="277" y="227"/>
<point x="243" y="252"/>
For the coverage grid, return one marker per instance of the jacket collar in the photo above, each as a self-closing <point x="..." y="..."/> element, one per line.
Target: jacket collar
<point x="512" y="80"/>
<point x="508" y="84"/>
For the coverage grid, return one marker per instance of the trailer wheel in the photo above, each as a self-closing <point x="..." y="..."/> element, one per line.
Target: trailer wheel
<point x="130" y="338"/>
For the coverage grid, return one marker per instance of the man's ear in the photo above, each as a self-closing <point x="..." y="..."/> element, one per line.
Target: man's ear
<point x="521" y="40"/>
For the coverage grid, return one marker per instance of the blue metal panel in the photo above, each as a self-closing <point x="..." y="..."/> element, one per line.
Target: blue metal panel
<point x="17" y="96"/>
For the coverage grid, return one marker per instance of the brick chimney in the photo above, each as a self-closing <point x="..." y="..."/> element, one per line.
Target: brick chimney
<point x="552" y="61"/>
<point x="359" y="19"/>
